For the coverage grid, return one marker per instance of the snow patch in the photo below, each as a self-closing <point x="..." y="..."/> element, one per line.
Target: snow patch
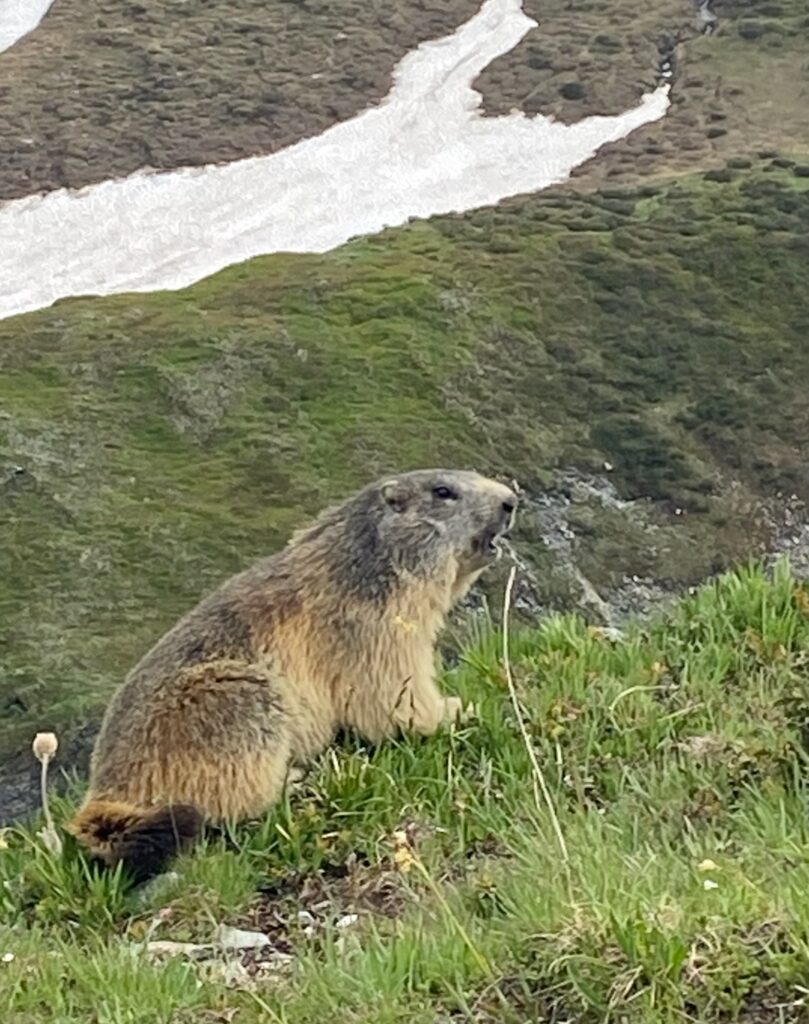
<point x="425" y="150"/>
<point x="18" y="18"/>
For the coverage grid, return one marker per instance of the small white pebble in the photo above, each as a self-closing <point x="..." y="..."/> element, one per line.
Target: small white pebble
<point x="7" y="958"/>
<point x="238" y="938"/>
<point x="305" y="918"/>
<point x="347" y="920"/>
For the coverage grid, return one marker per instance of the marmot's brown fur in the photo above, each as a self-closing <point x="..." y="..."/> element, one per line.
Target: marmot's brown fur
<point x="336" y="630"/>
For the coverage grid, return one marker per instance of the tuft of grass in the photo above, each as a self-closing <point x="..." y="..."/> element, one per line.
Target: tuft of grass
<point x="675" y="762"/>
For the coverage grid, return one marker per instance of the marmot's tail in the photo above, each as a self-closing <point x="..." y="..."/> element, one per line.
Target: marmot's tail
<point x="143" y="840"/>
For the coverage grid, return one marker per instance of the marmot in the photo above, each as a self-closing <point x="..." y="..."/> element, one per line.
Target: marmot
<point x="337" y="630"/>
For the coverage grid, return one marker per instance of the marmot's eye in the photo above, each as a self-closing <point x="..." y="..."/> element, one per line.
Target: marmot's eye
<point x="444" y="493"/>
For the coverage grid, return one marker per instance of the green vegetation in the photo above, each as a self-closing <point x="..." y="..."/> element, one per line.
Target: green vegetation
<point x="672" y="890"/>
<point x="736" y="91"/>
<point x="152" y="444"/>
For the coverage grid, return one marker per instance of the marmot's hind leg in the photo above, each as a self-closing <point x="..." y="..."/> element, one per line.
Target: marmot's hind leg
<point x="239" y="787"/>
<point x="220" y="741"/>
<point x="237" y="740"/>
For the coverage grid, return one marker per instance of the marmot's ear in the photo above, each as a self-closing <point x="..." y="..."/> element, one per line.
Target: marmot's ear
<point x="394" y="494"/>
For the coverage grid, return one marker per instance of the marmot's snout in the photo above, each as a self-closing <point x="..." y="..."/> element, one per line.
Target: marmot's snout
<point x="456" y="509"/>
<point x="503" y="506"/>
<point x="509" y="507"/>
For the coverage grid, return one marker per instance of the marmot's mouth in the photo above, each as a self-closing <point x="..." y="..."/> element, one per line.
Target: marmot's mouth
<point x="491" y="543"/>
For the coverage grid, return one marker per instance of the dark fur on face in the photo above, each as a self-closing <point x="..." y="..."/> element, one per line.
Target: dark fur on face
<point x="409" y="523"/>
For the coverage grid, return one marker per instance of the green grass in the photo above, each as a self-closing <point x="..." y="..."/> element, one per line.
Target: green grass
<point x="166" y="440"/>
<point x="675" y="761"/>
<point x="726" y="87"/>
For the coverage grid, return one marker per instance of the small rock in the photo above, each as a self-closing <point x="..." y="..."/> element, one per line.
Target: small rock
<point x="236" y="938"/>
<point x="305" y="919"/>
<point x="347" y="920"/>
<point x="277" y="961"/>
<point x="156" y="886"/>
<point x="705" y="747"/>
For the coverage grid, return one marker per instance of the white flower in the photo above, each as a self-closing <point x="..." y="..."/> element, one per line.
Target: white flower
<point x="45" y="745"/>
<point x="51" y="840"/>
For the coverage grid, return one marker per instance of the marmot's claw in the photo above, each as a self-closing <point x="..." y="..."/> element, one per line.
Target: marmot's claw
<point x="456" y="713"/>
<point x="469" y="713"/>
<point x="295" y="776"/>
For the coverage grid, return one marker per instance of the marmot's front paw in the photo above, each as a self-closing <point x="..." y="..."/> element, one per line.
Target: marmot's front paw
<point x="295" y="776"/>
<point x="455" y="712"/>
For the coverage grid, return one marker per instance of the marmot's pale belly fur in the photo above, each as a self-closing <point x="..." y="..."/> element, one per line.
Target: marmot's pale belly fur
<point x="337" y="630"/>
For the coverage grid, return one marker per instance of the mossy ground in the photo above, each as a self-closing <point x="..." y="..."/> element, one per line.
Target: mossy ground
<point x="152" y="444"/>
<point x="736" y="91"/>
<point x="673" y="888"/>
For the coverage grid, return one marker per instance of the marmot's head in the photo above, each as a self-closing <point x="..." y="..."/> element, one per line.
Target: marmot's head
<point x="438" y="512"/>
<point x="421" y="522"/>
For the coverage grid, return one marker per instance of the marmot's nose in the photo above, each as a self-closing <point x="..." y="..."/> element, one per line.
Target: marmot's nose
<point x="510" y="501"/>
<point x="508" y="508"/>
<point x="503" y="503"/>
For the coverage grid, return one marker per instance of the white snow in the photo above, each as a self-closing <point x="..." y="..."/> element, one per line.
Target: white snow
<point x="425" y="150"/>
<point x="18" y="17"/>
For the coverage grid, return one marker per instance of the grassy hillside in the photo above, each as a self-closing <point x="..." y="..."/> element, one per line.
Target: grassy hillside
<point x="736" y="90"/>
<point x="659" y="877"/>
<point x="152" y="444"/>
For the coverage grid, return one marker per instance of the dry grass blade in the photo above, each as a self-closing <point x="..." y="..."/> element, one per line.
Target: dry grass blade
<point x="541" y="792"/>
